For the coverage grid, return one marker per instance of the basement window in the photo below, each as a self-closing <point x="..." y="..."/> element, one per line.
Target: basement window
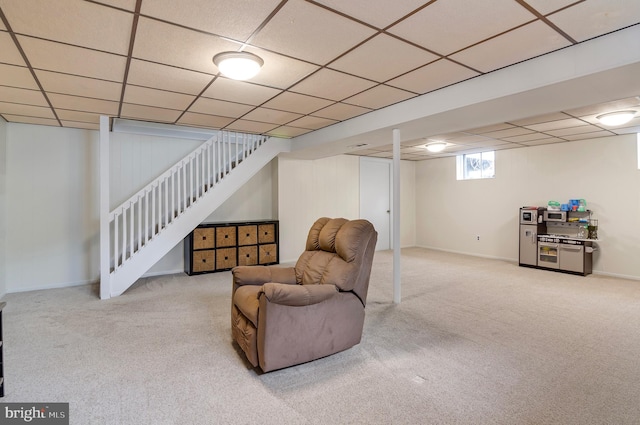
<point x="479" y="165"/>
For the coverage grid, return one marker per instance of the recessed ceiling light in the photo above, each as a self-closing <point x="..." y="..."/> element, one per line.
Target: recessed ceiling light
<point x="616" y="118"/>
<point x="238" y="65"/>
<point x="435" y="146"/>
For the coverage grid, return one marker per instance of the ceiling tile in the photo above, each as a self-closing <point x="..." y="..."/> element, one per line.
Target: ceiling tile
<point x="431" y="77"/>
<point x="25" y="110"/>
<point x="280" y="71"/>
<point x="241" y="92"/>
<point x="548" y="6"/>
<point x="73" y="22"/>
<point x="341" y="111"/>
<point x="73" y="60"/>
<point x="24" y="96"/>
<point x="158" y="76"/>
<point x="122" y="4"/>
<point x="526" y="137"/>
<point x="294" y="102"/>
<point x="31" y="120"/>
<point x="572" y="131"/>
<point x="149" y="113"/>
<point x="465" y="140"/>
<point x="237" y="19"/>
<point x="159" y="98"/>
<point x="17" y="76"/>
<point x="449" y="136"/>
<point x="251" y="126"/>
<point x="286" y="131"/>
<point x="556" y="125"/>
<point x="382" y="155"/>
<point x="363" y="151"/>
<point x="382" y="15"/>
<point x="383" y="58"/>
<point x="330" y="84"/>
<point x="490" y="128"/>
<point x="627" y="130"/>
<point x="171" y="45"/>
<point x="84" y="104"/>
<point x="303" y="30"/>
<point x="491" y="145"/>
<point x="591" y="135"/>
<point x="220" y="108"/>
<point x="9" y="53"/>
<point x="556" y="116"/>
<point x="271" y="116"/>
<point x="596" y="17"/>
<point x="379" y="97"/>
<point x="448" y="26"/>
<point x="509" y="132"/>
<point x="546" y="141"/>
<point x="78" y="116"/>
<point x="82" y="125"/>
<point x="523" y="43"/>
<point x="79" y="86"/>
<point x="203" y="120"/>
<point x="311" y="122"/>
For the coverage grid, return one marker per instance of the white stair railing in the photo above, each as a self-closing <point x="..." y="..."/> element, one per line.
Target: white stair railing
<point x="143" y="216"/>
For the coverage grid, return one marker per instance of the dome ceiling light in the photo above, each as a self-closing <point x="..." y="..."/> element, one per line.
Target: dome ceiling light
<point x="238" y="65"/>
<point x="435" y="146"/>
<point x="616" y="118"/>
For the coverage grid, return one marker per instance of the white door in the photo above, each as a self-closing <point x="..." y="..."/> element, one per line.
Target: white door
<point x="375" y="197"/>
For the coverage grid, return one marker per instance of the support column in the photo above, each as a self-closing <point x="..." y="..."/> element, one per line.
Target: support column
<point x="396" y="216"/>
<point x="105" y="267"/>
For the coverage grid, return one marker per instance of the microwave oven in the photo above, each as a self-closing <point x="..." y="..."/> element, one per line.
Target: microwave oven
<point x="530" y="215"/>
<point x="555" y="215"/>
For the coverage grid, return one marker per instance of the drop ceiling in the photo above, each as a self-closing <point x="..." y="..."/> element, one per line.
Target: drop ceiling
<point x="64" y="63"/>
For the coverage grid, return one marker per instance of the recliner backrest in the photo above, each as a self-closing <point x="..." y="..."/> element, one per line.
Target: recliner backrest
<point x="338" y="252"/>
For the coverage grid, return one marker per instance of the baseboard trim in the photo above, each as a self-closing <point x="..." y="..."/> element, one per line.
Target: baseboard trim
<point x="53" y="286"/>
<point x="471" y="254"/>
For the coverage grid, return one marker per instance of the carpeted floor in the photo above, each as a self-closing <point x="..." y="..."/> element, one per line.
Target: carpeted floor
<point x="474" y="341"/>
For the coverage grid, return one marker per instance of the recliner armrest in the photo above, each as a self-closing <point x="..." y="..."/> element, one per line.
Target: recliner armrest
<point x="259" y="275"/>
<point x="297" y="295"/>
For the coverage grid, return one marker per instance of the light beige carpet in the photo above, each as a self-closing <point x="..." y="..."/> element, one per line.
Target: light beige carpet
<point x="474" y="341"/>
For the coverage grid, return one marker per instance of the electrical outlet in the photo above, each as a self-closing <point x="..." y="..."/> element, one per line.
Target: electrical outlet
<point x="478" y="237"/>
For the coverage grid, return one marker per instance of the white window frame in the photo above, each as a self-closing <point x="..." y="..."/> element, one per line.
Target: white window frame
<point x="461" y="172"/>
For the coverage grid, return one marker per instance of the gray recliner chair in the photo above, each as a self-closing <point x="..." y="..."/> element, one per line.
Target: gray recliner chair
<point x="282" y="317"/>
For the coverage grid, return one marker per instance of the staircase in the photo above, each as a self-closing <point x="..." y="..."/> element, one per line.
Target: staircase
<point x="148" y="225"/>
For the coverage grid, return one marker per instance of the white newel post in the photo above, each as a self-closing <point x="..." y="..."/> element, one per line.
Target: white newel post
<point x="105" y="275"/>
<point x="396" y="216"/>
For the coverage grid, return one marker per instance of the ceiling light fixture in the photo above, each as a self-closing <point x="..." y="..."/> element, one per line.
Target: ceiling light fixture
<point x="238" y="65"/>
<point x="616" y="118"/>
<point x="435" y="146"/>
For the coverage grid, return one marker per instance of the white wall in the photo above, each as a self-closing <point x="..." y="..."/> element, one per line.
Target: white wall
<point x="256" y="200"/>
<point x="329" y="187"/>
<point x="51" y="206"/>
<point x="3" y="197"/>
<point x="451" y="213"/>
<point x="52" y="200"/>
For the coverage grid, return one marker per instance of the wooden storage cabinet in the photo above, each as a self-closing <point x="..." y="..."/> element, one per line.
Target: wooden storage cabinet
<point x="213" y="247"/>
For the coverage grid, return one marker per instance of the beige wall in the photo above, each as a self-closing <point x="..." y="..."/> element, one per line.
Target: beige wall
<point x="309" y="189"/>
<point x="51" y="206"/>
<point x="52" y="194"/>
<point x="603" y="171"/>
